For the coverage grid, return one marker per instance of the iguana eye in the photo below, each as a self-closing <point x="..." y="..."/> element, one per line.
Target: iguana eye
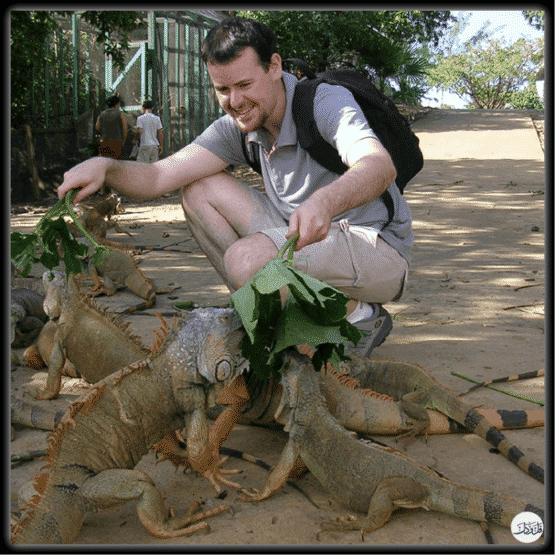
<point x="223" y="370"/>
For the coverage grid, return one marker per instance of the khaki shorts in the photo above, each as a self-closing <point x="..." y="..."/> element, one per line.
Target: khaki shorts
<point x="364" y="268"/>
<point x="148" y="154"/>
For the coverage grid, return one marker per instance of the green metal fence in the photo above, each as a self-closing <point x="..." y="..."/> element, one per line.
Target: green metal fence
<point x="73" y="77"/>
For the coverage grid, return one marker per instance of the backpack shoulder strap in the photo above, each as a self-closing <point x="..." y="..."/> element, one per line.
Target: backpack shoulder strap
<point x="307" y="131"/>
<point x="311" y="140"/>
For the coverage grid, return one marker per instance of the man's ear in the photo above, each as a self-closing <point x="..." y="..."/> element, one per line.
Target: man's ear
<point x="275" y="66"/>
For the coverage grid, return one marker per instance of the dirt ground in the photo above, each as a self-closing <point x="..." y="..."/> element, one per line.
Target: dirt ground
<point x="474" y="305"/>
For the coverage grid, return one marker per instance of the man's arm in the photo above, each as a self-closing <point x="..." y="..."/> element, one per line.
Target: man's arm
<point x="161" y="140"/>
<point x="370" y="172"/>
<point x="140" y="180"/>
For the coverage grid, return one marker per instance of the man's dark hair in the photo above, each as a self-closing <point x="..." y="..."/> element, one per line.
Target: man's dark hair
<point x="148" y="104"/>
<point x="113" y="100"/>
<point x="226" y="41"/>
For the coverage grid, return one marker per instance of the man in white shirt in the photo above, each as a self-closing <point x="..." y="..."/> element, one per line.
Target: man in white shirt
<point x="149" y="133"/>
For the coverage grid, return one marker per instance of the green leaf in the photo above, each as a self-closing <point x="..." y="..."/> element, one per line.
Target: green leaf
<point x="314" y="314"/>
<point x="51" y="232"/>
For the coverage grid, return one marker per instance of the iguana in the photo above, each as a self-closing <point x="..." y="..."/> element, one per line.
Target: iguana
<point x="27" y="316"/>
<point x="95" y="342"/>
<point x="96" y="219"/>
<point x="366" y="477"/>
<point x="360" y="410"/>
<point x="417" y="388"/>
<point x="104" y="434"/>
<point x="117" y="270"/>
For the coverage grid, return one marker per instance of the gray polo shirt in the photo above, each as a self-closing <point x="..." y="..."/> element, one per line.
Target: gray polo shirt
<point x="290" y="175"/>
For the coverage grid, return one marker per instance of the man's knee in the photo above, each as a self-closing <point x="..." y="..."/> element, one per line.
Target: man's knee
<point x="248" y="255"/>
<point x="198" y="192"/>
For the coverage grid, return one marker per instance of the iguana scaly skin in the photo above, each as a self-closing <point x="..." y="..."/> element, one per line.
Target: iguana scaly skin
<point x="27" y="316"/>
<point x="104" y="434"/>
<point x="417" y="388"/>
<point x="366" y="477"/>
<point x="359" y="410"/>
<point x="117" y="270"/>
<point x="96" y="343"/>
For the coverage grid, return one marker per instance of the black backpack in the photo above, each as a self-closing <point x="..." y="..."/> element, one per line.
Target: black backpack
<point x="391" y="128"/>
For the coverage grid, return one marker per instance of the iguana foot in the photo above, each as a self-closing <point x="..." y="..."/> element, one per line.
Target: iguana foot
<point x="254" y="495"/>
<point x="216" y="474"/>
<point x="185" y="525"/>
<point x="40" y="393"/>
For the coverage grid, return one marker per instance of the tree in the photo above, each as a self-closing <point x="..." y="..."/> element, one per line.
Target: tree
<point x="489" y="71"/>
<point x="31" y="30"/>
<point x="526" y="99"/>
<point x="387" y="43"/>
<point x="536" y="18"/>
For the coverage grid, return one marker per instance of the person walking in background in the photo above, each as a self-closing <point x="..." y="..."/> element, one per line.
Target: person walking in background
<point x="112" y="126"/>
<point x="149" y="135"/>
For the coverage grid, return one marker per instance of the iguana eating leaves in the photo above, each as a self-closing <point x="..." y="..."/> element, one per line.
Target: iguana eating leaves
<point x="93" y="451"/>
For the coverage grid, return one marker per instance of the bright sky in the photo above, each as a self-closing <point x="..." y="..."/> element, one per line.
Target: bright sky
<point x="507" y="25"/>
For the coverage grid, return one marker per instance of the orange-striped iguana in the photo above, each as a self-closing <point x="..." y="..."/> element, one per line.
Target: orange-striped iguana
<point x="368" y="478"/>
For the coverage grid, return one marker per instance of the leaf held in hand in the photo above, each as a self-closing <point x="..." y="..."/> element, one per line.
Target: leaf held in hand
<point x="314" y="314"/>
<point x="50" y="230"/>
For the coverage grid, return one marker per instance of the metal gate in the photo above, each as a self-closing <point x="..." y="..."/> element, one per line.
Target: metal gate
<point x="167" y="68"/>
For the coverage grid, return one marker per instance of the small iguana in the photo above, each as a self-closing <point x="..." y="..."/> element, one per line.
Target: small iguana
<point x="104" y="434"/>
<point x="96" y="219"/>
<point x="366" y="477"/>
<point x="119" y="269"/>
<point x="95" y="342"/>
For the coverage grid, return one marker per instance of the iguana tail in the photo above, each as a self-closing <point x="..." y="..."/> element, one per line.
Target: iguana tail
<point x="404" y="379"/>
<point x="499" y="419"/>
<point x="477" y="504"/>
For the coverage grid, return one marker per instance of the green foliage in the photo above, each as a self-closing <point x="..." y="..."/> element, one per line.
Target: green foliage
<point x="386" y="42"/>
<point x="314" y="314"/>
<point x="37" y="39"/>
<point x="488" y="71"/>
<point x="51" y="233"/>
<point x="536" y="18"/>
<point x="527" y="99"/>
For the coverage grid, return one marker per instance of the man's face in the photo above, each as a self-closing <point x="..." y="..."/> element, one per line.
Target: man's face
<point x="246" y="91"/>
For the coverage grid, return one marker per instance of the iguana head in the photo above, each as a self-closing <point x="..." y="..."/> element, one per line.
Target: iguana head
<point x="55" y="285"/>
<point x="300" y="385"/>
<point x="207" y="352"/>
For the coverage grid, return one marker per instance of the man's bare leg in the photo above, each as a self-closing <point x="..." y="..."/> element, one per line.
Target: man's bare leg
<point x="218" y="212"/>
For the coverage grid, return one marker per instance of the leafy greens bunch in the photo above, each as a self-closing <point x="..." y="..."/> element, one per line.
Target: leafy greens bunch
<point x="314" y="314"/>
<point x="50" y="229"/>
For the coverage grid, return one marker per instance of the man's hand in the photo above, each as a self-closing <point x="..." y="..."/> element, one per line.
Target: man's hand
<point x="311" y="220"/>
<point x="88" y="176"/>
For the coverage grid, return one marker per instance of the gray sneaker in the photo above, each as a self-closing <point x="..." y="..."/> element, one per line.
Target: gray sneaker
<point x="375" y="330"/>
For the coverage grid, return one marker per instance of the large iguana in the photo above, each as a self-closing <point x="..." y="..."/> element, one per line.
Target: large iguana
<point x="95" y="342"/>
<point x="417" y="388"/>
<point x="411" y="385"/>
<point x="366" y="477"/>
<point x="104" y="434"/>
